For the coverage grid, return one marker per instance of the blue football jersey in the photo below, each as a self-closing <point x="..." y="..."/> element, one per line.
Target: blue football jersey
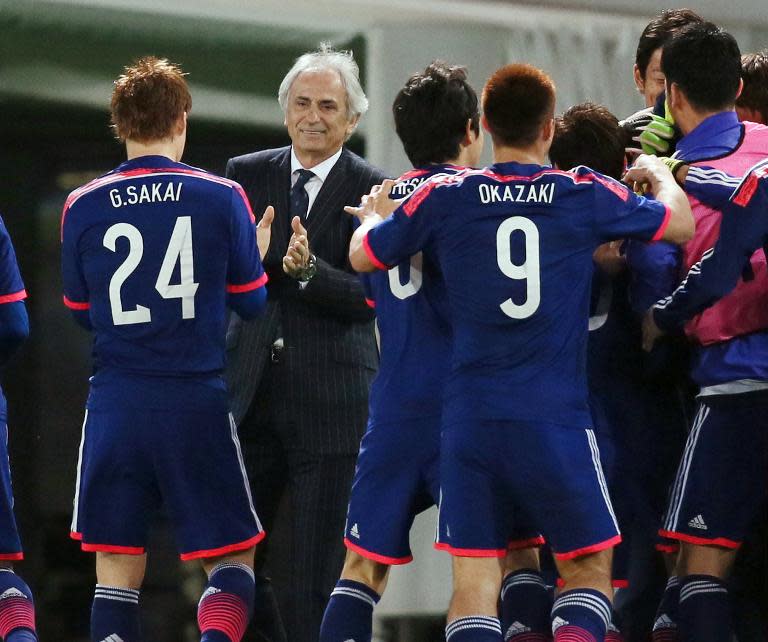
<point x="151" y="250"/>
<point x="412" y="317"/>
<point x="515" y="243"/>
<point x="11" y="287"/>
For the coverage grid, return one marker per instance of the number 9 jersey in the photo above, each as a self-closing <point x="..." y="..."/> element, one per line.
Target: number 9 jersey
<point x="515" y="243"/>
<point x="147" y="250"/>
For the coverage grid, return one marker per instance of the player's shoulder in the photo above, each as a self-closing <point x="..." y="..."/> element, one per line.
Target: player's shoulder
<point x="754" y="181"/>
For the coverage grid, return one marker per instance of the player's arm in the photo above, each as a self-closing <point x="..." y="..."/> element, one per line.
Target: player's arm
<point x="710" y="186"/>
<point x="246" y="278"/>
<point x="678" y="225"/>
<point x="390" y="231"/>
<point x="76" y="295"/>
<point x="14" y="322"/>
<point x="743" y="230"/>
<point x="654" y="270"/>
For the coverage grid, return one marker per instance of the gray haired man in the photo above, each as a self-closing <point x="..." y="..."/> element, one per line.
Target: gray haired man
<point x="299" y="376"/>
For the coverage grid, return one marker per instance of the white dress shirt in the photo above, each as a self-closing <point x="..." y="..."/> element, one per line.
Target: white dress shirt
<point x="320" y="172"/>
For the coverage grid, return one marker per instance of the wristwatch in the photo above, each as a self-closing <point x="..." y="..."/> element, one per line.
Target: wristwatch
<point x="309" y="270"/>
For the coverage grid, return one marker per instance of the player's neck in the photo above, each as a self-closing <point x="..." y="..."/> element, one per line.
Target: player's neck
<point x="165" y="147"/>
<point x="690" y="119"/>
<point x="533" y="155"/>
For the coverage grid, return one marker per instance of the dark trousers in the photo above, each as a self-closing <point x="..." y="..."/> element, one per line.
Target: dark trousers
<point x="318" y="485"/>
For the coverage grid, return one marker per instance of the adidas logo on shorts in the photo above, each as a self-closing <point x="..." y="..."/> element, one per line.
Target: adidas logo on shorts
<point x="113" y="638"/>
<point x="664" y="622"/>
<point x="356" y="534"/>
<point x="698" y="522"/>
<point x="516" y="628"/>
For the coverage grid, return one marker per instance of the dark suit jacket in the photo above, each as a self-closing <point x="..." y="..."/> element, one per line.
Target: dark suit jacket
<point x="330" y="351"/>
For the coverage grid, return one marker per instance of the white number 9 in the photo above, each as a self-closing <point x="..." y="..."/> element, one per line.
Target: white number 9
<point x="528" y="271"/>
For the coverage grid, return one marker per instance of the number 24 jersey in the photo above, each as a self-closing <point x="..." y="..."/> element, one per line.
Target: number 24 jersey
<point x="151" y="250"/>
<point x="514" y="243"/>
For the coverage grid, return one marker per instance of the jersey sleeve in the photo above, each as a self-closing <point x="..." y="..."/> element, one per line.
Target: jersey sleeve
<point x="411" y="227"/>
<point x="620" y="213"/>
<point x="743" y="230"/>
<point x="712" y="187"/>
<point x="76" y="296"/>
<point x="11" y="285"/>
<point x="245" y="271"/>
<point x="370" y="300"/>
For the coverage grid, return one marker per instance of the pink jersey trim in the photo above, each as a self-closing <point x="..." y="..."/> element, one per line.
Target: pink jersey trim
<point x="701" y="541"/>
<point x="471" y="552"/>
<point x="383" y="559"/>
<point x="532" y="542"/>
<point x="370" y="303"/>
<point x="74" y="305"/>
<point x="247" y="287"/>
<point x="13" y="297"/>
<point x="12" y="556"/>
<point x="664" y="224"/>
<point x="223" y="550"/>
<point x="77" y="536"/>
<point x="594" y="548"/>
<point x="371" y="256"/>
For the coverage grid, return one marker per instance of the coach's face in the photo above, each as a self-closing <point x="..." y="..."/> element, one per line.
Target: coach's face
<point x="316" y="116"/>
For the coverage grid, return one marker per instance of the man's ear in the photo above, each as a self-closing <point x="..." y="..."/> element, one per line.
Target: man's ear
<point x="181" y="124"/>
<point x="639" y="80"/>
<point x="469" y="134"/>
<point x="352" y="125"/>
<point x="548" y="130"/>
<point x="741" y="88"/>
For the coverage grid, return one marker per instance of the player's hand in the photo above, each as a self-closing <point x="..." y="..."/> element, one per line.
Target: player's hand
<point x="376" y="203"/>
<point x="651" y="332"/>
<point x="264" y="230"/>
<point x="298" y="252"/>
<point x="609" y="259"/>
<point x="631" y="130"/>
<point x="646" y="172"/>
<point x="678" y="168"/>
<point x="655" y="137"/>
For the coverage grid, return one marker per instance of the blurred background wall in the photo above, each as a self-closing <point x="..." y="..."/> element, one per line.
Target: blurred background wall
<point x="57" y="62"/>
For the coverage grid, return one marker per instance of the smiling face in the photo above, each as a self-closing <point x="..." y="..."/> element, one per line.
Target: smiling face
<point x="316" y="116"/>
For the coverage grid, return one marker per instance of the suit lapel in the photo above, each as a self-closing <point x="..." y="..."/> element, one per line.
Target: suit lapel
<point x="278" y="186"/>
<point x="330" y="199"/>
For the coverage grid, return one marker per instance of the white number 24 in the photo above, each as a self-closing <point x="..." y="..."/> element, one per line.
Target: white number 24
<point x="529" y="270"/>
<point x="179" y="250"/>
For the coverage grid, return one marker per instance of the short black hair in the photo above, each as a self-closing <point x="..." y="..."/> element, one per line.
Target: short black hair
<point x="658" y="32"/>
<point x="431" y="113"/>
<point x="588" y="134"/>
<point x="705" y="62"/>
<point x="754" y="73"/>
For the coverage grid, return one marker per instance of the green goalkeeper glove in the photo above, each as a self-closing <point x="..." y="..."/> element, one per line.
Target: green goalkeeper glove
<point x="656" y="136"/>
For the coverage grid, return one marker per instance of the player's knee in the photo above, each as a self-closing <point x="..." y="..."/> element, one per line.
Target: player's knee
<point x="118" y="569"/>
<point x="522" y="558"/>
<point x="588" y="571"/>
<point x="705" y="560"/>
<point x="369" y="572"/>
